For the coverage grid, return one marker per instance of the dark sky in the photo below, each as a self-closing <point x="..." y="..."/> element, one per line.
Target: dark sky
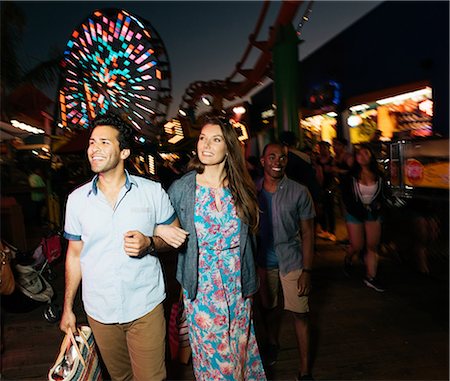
<point x="204" y="40"/>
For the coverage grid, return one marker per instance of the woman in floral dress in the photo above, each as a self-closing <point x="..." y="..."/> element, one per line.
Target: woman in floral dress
<point x="216" y="204"/>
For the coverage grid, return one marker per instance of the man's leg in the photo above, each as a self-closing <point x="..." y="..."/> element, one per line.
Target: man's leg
<point x="301" y="322"/>
<point x="112" y="343"/>
<point x="146" y="344"/>
<point x="299" y="306"/>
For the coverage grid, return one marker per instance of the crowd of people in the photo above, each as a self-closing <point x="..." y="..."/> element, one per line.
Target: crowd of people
<point x="237" y="241"/>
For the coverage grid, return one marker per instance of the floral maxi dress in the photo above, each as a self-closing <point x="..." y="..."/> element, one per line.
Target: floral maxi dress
<point x="221" y="330"/>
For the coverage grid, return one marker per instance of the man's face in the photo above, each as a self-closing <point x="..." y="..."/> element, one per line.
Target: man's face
<point x="104" y="153"/>
<point x="274" y="161"/>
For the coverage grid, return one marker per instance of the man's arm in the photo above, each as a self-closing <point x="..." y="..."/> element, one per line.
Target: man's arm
<point x="73" y="279"/>
<point x="304" y="282"/>
<point x="307" y="227"/>
<point x="136" y="243"/>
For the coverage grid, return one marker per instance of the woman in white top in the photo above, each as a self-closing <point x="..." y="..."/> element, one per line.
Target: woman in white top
<point x="363" y="195"/>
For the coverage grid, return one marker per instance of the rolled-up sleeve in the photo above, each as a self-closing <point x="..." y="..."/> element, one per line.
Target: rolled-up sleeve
<point x="72" y="226"/>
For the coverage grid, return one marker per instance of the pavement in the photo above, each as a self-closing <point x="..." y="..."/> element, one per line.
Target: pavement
<point x="356" y="332"/>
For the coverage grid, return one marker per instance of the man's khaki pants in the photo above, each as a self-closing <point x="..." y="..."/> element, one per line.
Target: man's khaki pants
<point x="135" y="350"/>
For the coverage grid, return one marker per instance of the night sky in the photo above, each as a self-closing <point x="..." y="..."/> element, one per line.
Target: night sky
<point x="204" y="40"/>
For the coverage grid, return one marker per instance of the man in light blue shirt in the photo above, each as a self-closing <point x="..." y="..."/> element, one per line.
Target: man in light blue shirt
<point x="109" y="224"/>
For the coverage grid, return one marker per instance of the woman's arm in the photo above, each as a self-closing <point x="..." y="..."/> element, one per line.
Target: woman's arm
<point x="171" y="234"/>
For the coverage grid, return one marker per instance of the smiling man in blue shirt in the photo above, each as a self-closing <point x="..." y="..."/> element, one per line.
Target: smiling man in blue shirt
<point x="285" y="252"/>
<point x="109" y="224"/>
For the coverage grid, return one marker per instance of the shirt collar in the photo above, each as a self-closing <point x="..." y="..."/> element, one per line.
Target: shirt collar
<point x="260" y="183"/>
<point x="128" y="182"/>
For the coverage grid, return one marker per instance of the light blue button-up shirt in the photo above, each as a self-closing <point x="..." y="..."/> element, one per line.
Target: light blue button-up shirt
<point x="117" y="288"/>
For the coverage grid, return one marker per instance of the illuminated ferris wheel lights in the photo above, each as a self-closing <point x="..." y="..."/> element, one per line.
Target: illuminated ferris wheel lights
<point x="144" y="108"/>
<point x="108" y="62"/>
<point x="135" y="124"/>
<point x="138" y="115"/>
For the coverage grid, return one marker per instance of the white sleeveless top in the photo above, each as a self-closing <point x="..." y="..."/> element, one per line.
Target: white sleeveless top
<point x="367" y="192"/>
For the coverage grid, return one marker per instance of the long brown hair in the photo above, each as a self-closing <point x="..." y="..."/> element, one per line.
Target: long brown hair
<point x="240" y="183"/>
<point x="374" y="167"/>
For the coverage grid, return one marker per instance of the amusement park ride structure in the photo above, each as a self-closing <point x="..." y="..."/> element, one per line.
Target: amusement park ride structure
<point x="232" y="88"/>
<point x="115" y="60"/>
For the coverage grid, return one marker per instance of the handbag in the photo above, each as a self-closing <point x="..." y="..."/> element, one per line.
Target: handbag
<point x="7" y="281"/>
<point x="180" y="348"/>
<point x="77" y="359"/>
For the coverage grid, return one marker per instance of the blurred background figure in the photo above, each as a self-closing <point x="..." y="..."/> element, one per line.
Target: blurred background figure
<point x="38" y="195"/>
<point x="376" y="144"/>
<point x="299" y="167"/>
<point x="343" y="162"/>
<point x="363" y="194"/>
<point x="326" y="216"/>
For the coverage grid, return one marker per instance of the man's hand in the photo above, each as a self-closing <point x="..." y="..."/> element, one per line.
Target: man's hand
<point x="68" y="320"/>
<point x="304" y="284"/>
<point x="135" y="243"/>
<point x="172" y="235"/>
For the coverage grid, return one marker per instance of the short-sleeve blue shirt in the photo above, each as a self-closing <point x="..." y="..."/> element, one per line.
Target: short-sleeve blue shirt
<point x="291" y="203"/>
<point x="117" y="288"/>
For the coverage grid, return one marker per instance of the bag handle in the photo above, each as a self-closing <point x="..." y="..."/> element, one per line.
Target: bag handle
<point x="75" y="344"/>
<point x="65" y="344"/>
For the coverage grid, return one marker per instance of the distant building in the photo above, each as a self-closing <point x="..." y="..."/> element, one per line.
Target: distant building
<point x="399" y="49"/>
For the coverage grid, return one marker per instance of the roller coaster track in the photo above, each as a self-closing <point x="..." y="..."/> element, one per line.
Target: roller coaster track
<point x="230" y="88"/>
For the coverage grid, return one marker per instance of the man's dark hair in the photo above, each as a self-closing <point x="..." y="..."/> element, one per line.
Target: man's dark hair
<point x="115" y="121"/>
<point x="271" y="144"/>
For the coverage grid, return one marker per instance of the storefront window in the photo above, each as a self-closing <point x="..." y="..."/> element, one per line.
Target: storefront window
<point x="320" y="127"/>
<point x="400" y="116"/>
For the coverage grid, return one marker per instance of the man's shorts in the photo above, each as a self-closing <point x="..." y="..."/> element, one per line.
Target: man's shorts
<point x="269" y="290"/>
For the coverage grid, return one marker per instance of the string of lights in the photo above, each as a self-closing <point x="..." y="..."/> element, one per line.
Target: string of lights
<point x="305" y="18"/>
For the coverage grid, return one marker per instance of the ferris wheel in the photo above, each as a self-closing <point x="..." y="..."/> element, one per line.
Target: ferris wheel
<point x="115" y="61"/>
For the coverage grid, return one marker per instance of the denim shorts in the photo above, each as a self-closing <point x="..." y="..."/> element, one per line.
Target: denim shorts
<point x="354" y="220"/>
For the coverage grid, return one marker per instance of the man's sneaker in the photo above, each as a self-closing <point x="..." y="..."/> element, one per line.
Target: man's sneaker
<point x="305" y="377"/>
<point x="374" y="283"/>
<point x="271" y="354"/>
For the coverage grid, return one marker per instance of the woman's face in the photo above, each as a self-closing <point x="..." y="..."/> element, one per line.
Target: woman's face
<point x="363" y="156"/>
<point x="211" y="146"/>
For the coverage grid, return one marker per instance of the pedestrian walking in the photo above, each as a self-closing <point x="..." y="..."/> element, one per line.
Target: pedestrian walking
<point x="326" y="213"/>
<point x="112" y="251"/>
<point x="364" y="197"/>
<point x="285" y="253"/>
<point x="216" y="203"/>
<point x="38" y="195"/>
